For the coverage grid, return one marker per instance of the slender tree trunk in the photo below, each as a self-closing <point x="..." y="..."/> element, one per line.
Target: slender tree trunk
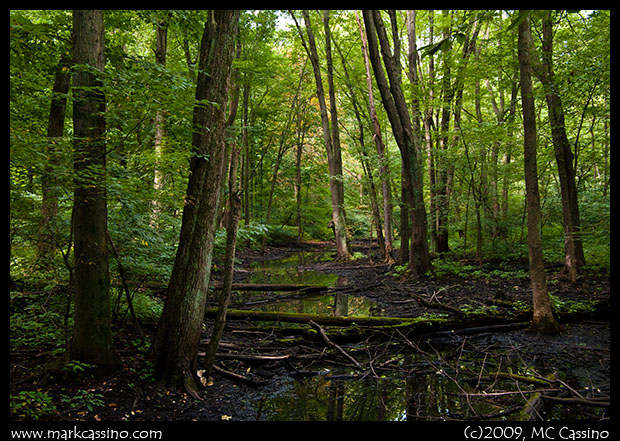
<point x="366" y="168"/>
<point x="160" y="122"/>
<point x="245" y="165"/>
<point x="301" y="133"/>
<point x="330" y="134"/>
<point x="175" y="346"/>
<point x="442" y="166"/>
<point x="573" y="248"/>
<point x="336" y="177"/>
<point x="229" y="263"/>
<point x="46" y="246"/>
<point x="92" y="333"/>
<point x="543" y="321"/>
<point x="384" y="171"/>
<point x="405" y="134"/>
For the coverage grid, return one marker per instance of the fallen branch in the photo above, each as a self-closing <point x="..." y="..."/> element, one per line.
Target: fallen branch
<point x="332" y="344"/>
<point x="437" y="305"/>
<point x="250" y="357"/>
<point x="292" y="317"/>
<point x="537" y="381"/>
<point x="277" y="287"/>
<point x="236" y="377"/>
<point x="362" y="327"/>
<point x="581" y="401"/>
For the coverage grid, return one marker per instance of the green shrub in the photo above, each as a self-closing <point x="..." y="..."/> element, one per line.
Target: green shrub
<point x="31" y="404"/>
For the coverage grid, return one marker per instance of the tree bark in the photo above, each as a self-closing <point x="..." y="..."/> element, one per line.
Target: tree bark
<point x="384" y="172"/>
<point x="366" y="167"/>
<point x="92" y="333"/>
<point x="160" y="122"/>
<point x="573" y="248"/>
<point x="229" y="263"/>
<point x="543" y="321"/>
<point x="175" y="346"/>
<point x="405" y="134"/>
<point x="46" y="246"/>
<point x="330" y="134"/>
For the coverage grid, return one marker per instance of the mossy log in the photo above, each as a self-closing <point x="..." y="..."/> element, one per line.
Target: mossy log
<point x="293" y="317"/>
<point x="354" y="328"/>
<point x="350" y="328"/>
<point x="277" y="287"/>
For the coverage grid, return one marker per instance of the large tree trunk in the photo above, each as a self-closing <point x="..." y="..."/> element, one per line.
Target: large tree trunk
<point x="49" y="183"/>
<point x="543" y="320"/>
<point x="92" y="334"/>
<point x="405" y="134"/>
<point x="175" y="346"/>
<point x="573" y="248"/>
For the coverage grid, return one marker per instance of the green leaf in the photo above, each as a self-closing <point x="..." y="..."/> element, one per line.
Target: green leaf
<point x="517" y="21"/>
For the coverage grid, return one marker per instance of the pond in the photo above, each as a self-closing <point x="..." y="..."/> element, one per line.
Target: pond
<point x="294" y="269"/>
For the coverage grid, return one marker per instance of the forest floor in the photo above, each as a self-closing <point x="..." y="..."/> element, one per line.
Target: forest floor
<point x="277" y="356"/>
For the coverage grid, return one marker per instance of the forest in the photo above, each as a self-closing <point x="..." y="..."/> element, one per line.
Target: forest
<point x="310" y="215"/>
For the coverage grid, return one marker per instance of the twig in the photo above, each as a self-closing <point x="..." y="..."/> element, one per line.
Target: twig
<point x="121" y="273"/>
<point x="237" y="377"/>
<point x="332" y="344"/>
<point x="581" y="401"/>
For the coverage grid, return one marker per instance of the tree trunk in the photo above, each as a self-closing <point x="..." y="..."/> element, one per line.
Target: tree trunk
<point x="92" y="334"/>
<point x="229" y="263"/>
<point x="46" y="246"/>
<point x="405" y="134"/>
<point x="573" y="248"/>
<point x="366" y="167"/>
<point x="245" y="165"/>
<point x="330" y="134"/>
<point x="543" y="321"/>
<point x="384" y="172"/>
<point x="301" y="133"/>
<point x="336" y="181"/>
<point x="160" y="122"/>
<point x="175" y="346"/>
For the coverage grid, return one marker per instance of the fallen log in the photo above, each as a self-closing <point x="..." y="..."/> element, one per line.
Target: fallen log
<point x="277" y="287"/>
<point x="361" y="327"/>
<point x="293" y="317"/>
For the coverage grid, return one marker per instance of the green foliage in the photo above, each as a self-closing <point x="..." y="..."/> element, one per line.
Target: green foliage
<point x="570" y="306"/>
<point x="449" y="267"/>
<point x="480" y="310"/>
<point x="31" y="405"/>
<point x="84" y="399"/>
<point x="77" y="367"/>
<point x="147" y="307"/>
<point x="36" y="321"/>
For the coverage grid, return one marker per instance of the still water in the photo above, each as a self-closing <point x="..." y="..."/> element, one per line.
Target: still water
<point x="293" y="269"/>
<point x="434" y="385"/>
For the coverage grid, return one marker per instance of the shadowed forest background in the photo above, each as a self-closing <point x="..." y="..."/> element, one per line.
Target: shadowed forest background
<point x="174" y="174"/>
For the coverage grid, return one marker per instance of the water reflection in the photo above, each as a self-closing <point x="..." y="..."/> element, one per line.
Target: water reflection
<point x="292" y="270"/>
<point x="322" y="398"/>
